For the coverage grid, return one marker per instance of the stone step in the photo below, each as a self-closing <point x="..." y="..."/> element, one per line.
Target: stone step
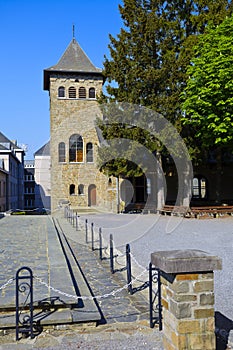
<point x="85" y="309"/>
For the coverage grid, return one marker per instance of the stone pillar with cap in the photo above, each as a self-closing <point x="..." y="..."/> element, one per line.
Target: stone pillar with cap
<point x="187" y="298"/>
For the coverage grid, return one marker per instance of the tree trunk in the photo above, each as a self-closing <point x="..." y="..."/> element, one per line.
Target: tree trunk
<point x="218" y="188"/>
<point x="160" y="183"/>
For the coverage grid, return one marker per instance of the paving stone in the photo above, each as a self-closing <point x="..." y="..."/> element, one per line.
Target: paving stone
<point x="34" y="242"/>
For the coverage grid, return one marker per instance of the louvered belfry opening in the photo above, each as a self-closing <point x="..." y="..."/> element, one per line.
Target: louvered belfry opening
<point x="72" y="92"/>
<point x="82" y="92"/>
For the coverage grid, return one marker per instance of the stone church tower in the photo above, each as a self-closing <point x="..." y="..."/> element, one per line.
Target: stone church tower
<point x="73" y="85"/>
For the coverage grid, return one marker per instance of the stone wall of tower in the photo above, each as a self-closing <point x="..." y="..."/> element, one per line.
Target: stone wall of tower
<point x="76" y="116"/>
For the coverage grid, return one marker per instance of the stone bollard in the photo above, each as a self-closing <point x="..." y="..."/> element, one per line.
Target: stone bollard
<point x="188" y="298"/>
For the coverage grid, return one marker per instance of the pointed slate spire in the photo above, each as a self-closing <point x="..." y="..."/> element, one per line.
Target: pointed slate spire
<point x="74" y="60"/>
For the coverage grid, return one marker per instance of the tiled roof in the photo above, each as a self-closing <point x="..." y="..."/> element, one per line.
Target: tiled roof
<point x="3" y="138"/>
<point x="8" y="144"/>
<point x="75" y="59"/>
<point x="3" y="148"/>
<point x="44" y="150"/>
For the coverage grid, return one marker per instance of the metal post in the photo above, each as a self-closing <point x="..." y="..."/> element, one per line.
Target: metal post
<point x="92" y="237"/>
<point x="128" y="267"/>
<point x="111" y="254"/>
<point x="86" y="231"/>
<point x="160" y="301"/>
<point x="76" y="222"/>
<point x="150" y="296"/>
<point x="152" y="299"/>
<point x="24" y="287"/>
<point x="101" y="244"/>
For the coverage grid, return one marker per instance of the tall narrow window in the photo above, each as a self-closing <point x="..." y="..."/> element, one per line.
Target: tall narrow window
<point x="89" y="152"/>
<point x="76" y="148"/>
<point x="82" y="92"/>
<point x="72" y="92"/>
<point x="61" y="152"/>
<point x="61" y="91"/>
<point x="80" y="189"/>
<point x="199" y="187"/>
<point x="72" y="189"/>
<point x="92" y="92"/>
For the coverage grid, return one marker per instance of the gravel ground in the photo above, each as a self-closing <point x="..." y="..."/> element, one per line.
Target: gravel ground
<point x="125" y="336"/>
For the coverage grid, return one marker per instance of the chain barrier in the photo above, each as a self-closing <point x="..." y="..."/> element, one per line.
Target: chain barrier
<point x="107" y="295"/>
<point x="113" y="293"/>
<point x="10" y="281"/>
<point x="90" y="227"/>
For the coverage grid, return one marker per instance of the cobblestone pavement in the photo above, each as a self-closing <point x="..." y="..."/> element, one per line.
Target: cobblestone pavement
<point x="23" y="243"/>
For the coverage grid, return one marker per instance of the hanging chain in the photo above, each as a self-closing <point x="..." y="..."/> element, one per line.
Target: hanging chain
<point x="112" y="294"/>
<point x="10" y="281"/>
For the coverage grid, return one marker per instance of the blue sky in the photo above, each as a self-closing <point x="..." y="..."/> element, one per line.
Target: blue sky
<point x="34" y="35"/>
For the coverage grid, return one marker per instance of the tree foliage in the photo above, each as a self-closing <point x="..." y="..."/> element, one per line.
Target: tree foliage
<point x="208" y="97"/>
<point x="148" y="62"/>
<point x="150" y="55"/>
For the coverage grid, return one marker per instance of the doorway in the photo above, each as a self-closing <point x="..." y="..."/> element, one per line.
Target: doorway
<point x="91" y="195"/>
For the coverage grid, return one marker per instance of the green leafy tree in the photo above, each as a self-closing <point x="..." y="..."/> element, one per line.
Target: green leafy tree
<point x="150" y="55"/>
<point x="208" y="97"/>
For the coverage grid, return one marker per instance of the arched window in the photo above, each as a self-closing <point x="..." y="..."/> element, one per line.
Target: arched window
<point x="61" y="152"/>
<point x="92" y="92"/>
<point x="72" y="92"/>
<point x="199" y="187"/>
<point x="82" y="92"/>
<point x="61" y="91"/>
<point x="89" y="152"/>
<point x="80" y="189"/>
<point x="72" y="189"/>
<point x="76" y="148"/>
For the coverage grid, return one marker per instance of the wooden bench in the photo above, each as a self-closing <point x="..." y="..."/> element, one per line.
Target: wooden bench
<point x="134" y="208"/>
<point x="211" y="211"/>
<point x="176" y="210"/>
<point x="143" y="208"/>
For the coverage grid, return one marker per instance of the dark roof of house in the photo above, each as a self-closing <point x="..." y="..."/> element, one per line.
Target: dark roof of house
<point x="74" y="60"/>
<point x="3" y="147"/>
<point x="4" y="139"/>
<point x="7" y="144"/>
<point x="44" y="150"/>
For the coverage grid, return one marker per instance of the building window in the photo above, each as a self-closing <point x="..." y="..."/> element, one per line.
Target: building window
<point x="61" y="91"/>
<point x="199" y="187"/>
<point x="62" y="152"/>
<point x="72" y="92"/>
<point x="72" y="189"/>
<point x="89" y="152"/>
<point x="82" y="92"/>
<point x="92" y="92"/>
<point x="76" y="148"/>
<point x="80" y="189"/>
